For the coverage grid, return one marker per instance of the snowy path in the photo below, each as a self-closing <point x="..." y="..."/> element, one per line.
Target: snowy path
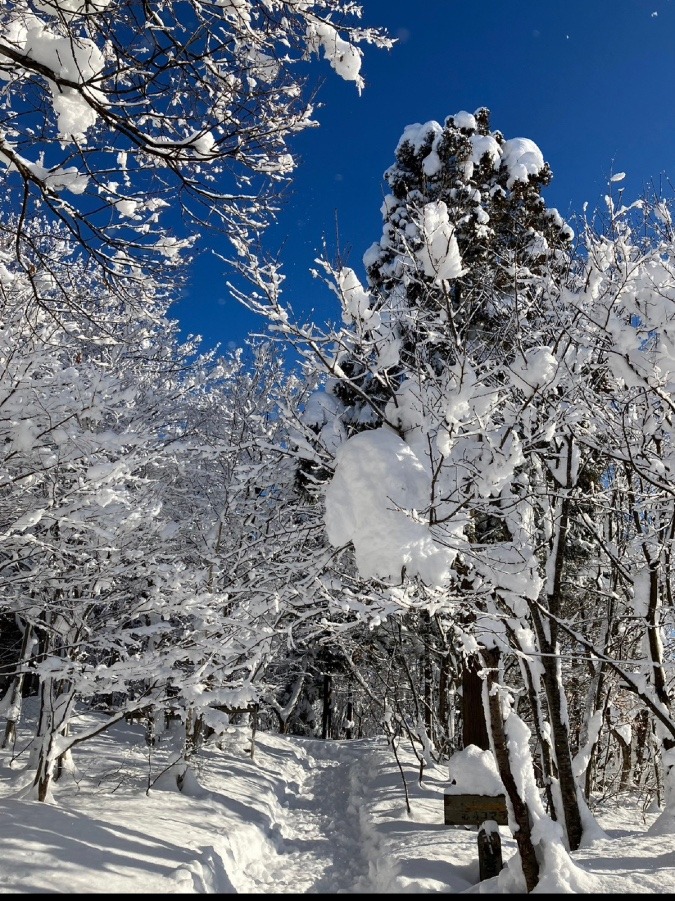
<point x="302" y="817"/>
<point x="318" y="817"/>
<point x="315" y="842"/>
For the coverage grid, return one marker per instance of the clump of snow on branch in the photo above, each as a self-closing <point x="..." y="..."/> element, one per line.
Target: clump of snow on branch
<point x="344" y="57"/>
<point x="321" y="414"/>
<point x="377" y="500"/>
<point x="439" y="255"/>
<point x="483" y="145"/>
<point x="356" y="307"/>
<point x="522" y="158"/>
<point x="534" y="369"/>
<point x="76" y="60"/>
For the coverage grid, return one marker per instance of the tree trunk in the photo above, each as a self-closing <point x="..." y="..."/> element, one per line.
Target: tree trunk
<point x="474" y="726"/>
<point x="626" y="777"/>
<point x="500" y="749"/>
<point x="547" y="771"/>
<point x="444" y="701"/>
<point x="327" y="713"/>
<point x="570" y="815"/>
<point x="194" y="726"/>
<point x="349" y="731"/>
<point x="547" y="639"/>
<point x="428" y="694"/>
<point x="14" y="710"/>
<point x="255" y="716"/>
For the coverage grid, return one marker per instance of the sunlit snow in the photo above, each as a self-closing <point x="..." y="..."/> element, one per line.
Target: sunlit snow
<point x="300" y="816"/>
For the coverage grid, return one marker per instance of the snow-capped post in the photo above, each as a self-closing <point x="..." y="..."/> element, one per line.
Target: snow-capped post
<point x="490" y="861"/>
<point x="475" y="797"/>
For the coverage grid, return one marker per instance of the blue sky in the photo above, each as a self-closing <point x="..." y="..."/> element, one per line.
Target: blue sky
<point x="590" y="81"/>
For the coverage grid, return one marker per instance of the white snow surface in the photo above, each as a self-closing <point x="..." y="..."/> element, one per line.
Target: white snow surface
<point x="417" y="133"/>
<point x="439" y="255"/>
<point x="523" y="158"/>
<point x="472" y="771"/>
<point x="376" y="500"/>
<point x="302" y="816"/>
<point x="482" y="144"/>
<point x="520" y="157"/>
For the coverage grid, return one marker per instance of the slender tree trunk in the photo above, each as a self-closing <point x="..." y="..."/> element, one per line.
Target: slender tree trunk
<point x="43" y="739"/>
<point x="427" y="675"/>
<point x="327" y="713"/>
<point x="500" y="748"/>
<point x="194" y="726"/>
<point x="349" y="731"/>
<point x="474" y="725"/>
<point x="570" y="815"/>
<point x="428" y="696"/>
<point x="63" y="759"/>
<point x="445" y="709"/>
<point x="626" y="777"/>
<point x="255" y="716"/>
<point x="642" y="743"/>
<point x="596" y="697"/>
<point x="55" y="711"/>
<point x="14" y="711"/>
<point x="547" y="638"/>
<point x="659" y="675"/>
<point x="548" y="774"/>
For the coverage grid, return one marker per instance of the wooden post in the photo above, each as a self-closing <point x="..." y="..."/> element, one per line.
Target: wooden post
<point x="488" y="812"/>
<point x="489" y="850"/>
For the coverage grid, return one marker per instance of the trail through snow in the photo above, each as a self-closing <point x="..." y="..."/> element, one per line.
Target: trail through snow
<point x="300" y="816"/>
<point x="314" y="839"/>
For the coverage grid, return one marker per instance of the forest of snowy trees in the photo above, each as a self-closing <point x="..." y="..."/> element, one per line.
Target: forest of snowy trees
<point x="452" y="522"/>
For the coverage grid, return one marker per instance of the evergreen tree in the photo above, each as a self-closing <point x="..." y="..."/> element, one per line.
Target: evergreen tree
<point x="455" y="345"/>
<point x="466" y="238"/>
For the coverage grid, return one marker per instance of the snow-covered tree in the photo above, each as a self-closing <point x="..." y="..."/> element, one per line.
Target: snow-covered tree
<point x="156" y="554"/>
<point x="445" y="409"/>
<point x="240" y="525"/>
<point x="122" y="118"/>
<point x="466" y="237"/>
<point x="625" y="317"/>
<point x="93" y="410"/>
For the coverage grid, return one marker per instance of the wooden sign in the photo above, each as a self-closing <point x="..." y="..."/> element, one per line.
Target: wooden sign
<point x="472" y="810"/>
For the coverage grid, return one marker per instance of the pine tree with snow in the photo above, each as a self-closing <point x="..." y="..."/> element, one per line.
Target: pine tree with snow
<point x="466" y="238"/>
<point x="453" y="347"/>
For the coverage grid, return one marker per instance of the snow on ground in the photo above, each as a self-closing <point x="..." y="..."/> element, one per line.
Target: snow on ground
<point x="302" y="816"/>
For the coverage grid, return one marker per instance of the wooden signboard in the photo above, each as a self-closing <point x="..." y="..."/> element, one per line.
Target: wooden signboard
<point x="472" y="810"/>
